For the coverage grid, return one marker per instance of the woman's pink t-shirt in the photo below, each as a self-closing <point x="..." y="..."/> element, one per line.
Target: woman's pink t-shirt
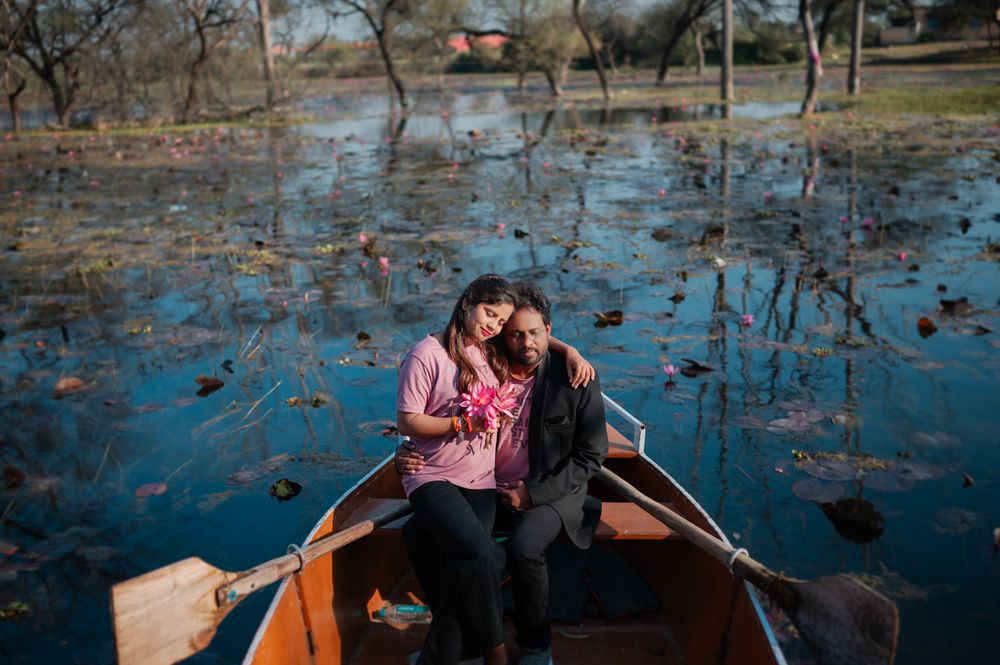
<point x="428" y="383"/>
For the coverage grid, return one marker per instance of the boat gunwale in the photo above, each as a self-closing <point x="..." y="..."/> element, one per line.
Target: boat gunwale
<point x="279" y="592"/>
<point x="772" y="639"/>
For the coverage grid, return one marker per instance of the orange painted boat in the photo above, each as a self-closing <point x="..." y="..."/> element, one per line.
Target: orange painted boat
<point x="324" y="613"/>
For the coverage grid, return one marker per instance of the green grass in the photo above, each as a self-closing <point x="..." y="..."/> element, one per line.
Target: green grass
<point x="926" y="100"/>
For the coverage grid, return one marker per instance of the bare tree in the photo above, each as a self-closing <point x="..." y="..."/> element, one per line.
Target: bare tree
<point x="614" y="23"/>
<point x="267" y="51"/>
<point x="857" y="33"/>
<point x="578" y="6"/>
<point x="58" y="33"/>
<point x="383" y="17"/>
<point x="215" y="23"/>
<point x="12" y="27"/>
<point x="727" y="52"/>
<point x="814" y="73"/>
<point x="678" y="17"/>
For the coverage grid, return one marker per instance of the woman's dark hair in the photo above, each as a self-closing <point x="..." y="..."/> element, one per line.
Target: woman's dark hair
<point x="532" y="297"/>
<point x="486" y="289"/>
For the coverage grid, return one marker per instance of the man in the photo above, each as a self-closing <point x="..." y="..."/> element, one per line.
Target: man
<point x="556" y="442"/>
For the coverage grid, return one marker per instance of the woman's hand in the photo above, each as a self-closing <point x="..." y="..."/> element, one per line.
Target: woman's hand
<point x="407" y="461"/>
<point x="579" y="371"/>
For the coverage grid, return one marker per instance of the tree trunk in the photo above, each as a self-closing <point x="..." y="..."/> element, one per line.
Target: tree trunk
<point x="578" y="15"/>
<point x="264" y="28"/>
<point x="554" y="83"/>
<point x="726" y="83"/>
<point x="520" y="79"/>
<point x="14" y="90"/>
<point x="699" y="49"/>
<point x="815" y="69"/>
<point x="191" y="101"/>
<point x="857" y="33"/>
<point x="668" y="49"/>
<point x="610" y="53"/>
<point x="385" y="49"/>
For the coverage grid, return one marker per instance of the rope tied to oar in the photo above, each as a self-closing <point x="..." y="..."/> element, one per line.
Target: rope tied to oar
<point x="732" y="557"/>
<point x="297" y="551"/>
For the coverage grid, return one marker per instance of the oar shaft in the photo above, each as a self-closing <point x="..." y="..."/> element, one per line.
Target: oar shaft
<point x="283" y="566"/>
<point x="743" y="566"/>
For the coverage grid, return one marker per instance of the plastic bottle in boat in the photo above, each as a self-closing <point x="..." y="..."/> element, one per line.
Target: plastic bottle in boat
<point x="404" y="614"/>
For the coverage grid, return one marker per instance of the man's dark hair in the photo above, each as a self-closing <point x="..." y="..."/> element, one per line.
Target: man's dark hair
<point x="532" y="297"/>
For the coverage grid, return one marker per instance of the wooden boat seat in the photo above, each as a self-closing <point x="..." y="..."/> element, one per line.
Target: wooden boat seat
<point x="619" y="446"/>
<point x="620" y="520"/>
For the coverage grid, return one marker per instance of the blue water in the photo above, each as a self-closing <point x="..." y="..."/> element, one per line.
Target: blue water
<point x="246" y="250"/>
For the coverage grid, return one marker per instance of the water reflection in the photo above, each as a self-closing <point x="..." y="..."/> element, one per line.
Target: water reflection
<point x="137" y="264"/>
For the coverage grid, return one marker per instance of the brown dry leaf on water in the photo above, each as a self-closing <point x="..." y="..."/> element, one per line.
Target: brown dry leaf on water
<point x="926" y="327"/>
<point x="68" y="385"/>
<point x="209" y="384"/>
<point x="150" y="489"/>
<point x="612" y="317"/>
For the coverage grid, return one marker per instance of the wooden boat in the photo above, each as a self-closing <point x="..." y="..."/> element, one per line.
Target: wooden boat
<point x="323" y="614"/>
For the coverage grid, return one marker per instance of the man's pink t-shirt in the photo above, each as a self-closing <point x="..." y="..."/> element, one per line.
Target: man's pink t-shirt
<point x="428" y="383"/>
<point x="512" y="453"/>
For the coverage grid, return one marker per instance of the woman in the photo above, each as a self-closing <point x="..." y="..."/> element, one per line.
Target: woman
<point x="453" y="494"/>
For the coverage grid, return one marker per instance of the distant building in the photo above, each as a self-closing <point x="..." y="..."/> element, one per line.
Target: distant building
<point x="461" y="44"/>
<point x="908" y="29"/>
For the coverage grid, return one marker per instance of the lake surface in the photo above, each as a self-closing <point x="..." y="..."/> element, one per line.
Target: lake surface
<point x="131" y="266"/>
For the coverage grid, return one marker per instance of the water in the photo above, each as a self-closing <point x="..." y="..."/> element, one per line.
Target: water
<point x="138" y="264"/>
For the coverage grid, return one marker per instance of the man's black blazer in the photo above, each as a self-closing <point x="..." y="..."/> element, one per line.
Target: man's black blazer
<point x="567" y="443"/>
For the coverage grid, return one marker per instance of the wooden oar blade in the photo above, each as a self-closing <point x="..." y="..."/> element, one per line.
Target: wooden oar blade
<point x="844" y="622"/>
<point x="168" y="614"/>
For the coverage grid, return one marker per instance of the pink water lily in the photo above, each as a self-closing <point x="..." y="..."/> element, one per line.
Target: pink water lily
<point x="480" y="402"/>
<point x="362" y="238"/>
<point x="768" y="196"/>
<point x="868" y="221"/>
<point x="506" y="399"/>
<point x="670" y="371"/>
<point x="901" y="256"/>
<point x="746" y="320"/>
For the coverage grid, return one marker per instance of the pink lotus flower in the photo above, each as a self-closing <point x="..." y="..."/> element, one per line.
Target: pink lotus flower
<point x="844" y="219"/>
<point x="868" y="222"/>
<point x="768" y="196"/>
<point x="383" y="261"/>
<point x="362" y="238"/>
<point x="662" y="192"/>
<point x="901" y="256"/>
<point x="746" y="320"/>
<point x="670" y="371"/>
<point x="506" y="400"/>
<point x="479" y="402"/>
<point x="501" y="226"/>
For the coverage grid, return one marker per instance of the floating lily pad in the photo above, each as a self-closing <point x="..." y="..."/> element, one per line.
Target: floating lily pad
<point x="918" y="470"/>
<point x="938" y="440"/>
<point x="285" y="489"/>
<point x="811" y="489"/>
<point x="855" y="519"/>
<point x="955" y="519"/>
<point x="887" y="481"/>
<point x="825" y="469"/>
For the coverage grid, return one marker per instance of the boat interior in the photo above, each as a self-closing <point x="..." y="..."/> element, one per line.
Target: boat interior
<point x="641" y="594"/>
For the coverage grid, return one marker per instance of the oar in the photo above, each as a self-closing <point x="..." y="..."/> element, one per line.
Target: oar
<point x="842" y="621"/>
<point x="171" y="613"/>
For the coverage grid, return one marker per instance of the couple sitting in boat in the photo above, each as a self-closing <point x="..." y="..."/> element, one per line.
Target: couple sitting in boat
<point x="502" y="433"/>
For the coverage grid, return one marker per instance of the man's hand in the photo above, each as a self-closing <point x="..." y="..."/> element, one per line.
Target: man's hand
<point x="407" y="460"/>
<point x="515" y="495"/>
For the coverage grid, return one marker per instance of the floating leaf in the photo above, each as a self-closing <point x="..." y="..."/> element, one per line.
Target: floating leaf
<point x="612" y="317"/>
<point x="926" y="327"/>
<point x="886" y="481"/>
<point x="364" y="337"/>
<point x="268" y="466"/>
<point x="811" y="489"/>
<point x="150" y="489"/>
<point x="285" y="489"/>
<point x="954" y="519"/>
<point x="518" y="233"/>
<point x="959" y="307"/>
<point x="227" y="365"/>
<point x="68" y="385"/>
<point x="293" y="401"/>
<point x="12" y="477"/>
<point x="318" y="400"/>
<point x="16" y="610"/>
<point x="829" y="469"/>
<point x="209" y="384"/>
<point x="855" y="519"/>
<point x="677" y="297"/>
